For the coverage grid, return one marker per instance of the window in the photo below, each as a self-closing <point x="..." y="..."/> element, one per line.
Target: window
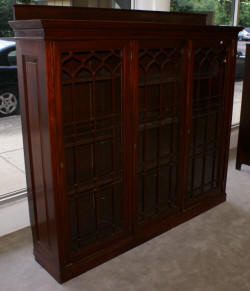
<point x="220" y="11"/>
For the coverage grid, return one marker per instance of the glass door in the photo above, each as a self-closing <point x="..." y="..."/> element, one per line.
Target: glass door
<point x="94" y="130"/>
<point x="160" y="84"/>
<point x="208" y="111"/>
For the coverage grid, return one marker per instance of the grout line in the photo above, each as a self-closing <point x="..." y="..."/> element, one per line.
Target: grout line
<point x="6" y="160"/>
<point x="235" y="126"/>
<point x="11" y="151"/>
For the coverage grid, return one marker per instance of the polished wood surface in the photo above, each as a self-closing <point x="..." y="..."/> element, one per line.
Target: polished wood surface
<point x="22" y="12"/>
<point x="243" y="150"/>
<point x="126" y="130"/>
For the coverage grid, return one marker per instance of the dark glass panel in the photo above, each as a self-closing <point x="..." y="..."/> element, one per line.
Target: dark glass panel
<point x="73" y="224"/>
<point x="85" y="165"/>
<point x="151" y="144"/>
<point x="150" y="192"/>
<point x="140" y="148"/>
<point x="83" y="93"/>
<point x="104" y="157"/>
<point x="86" y="213"/>
<point x="166" y="139"/>
<point x="71" y="65"/>
<point x="70" y="167"/>
<point x="200" y="131"/>
<point x="164" y="183"/>
<point x="67" y="104"/>
<point x="198" y="164"/>
<point x="140" y="195"/>
<point x="118" y="151"/>
<point x="106" y="207"/>
<point x="83" y="73"/>
<point x="119" y="205"/>
<point x="209" y="170"/>
<point x="153" y="96"/>
<point x="168" y="95"/>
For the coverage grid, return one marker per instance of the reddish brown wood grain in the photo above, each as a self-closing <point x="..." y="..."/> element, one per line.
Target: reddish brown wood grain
<point x="68" y="86"/>
<point x="22" y="12"/>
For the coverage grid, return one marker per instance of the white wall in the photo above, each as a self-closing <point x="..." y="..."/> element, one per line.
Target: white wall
<point x="159" y="5"/>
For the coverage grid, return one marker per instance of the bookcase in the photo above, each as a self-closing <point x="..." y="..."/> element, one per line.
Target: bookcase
<point x="126" y="121"/>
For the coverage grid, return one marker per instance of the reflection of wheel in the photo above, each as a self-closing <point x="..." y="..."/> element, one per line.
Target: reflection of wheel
<point x="8" y="102"/>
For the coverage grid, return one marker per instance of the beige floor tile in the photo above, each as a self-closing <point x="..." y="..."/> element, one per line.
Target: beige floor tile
<point x="10" y="134"/>
<point x="16" y="158"/>
<point x="12" y="179"/>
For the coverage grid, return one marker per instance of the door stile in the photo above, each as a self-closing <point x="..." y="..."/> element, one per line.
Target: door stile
<point x="186" y="121"/>
<point x="58" y="158"/>
<point x="134" y="119"/>
<point x="128" y="128"/>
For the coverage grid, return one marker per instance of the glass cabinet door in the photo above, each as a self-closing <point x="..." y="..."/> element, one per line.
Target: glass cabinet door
<point x="158" y="131"/>
<point x="208" y="102"/>
<point x="93" y="139"/>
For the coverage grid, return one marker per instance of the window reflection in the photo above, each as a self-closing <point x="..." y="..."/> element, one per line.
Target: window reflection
<point x="117" y="4"/>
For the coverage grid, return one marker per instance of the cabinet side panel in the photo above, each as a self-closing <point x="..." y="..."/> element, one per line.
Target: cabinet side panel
<point x="33" y="98"/>
<point x="39" y="187"/>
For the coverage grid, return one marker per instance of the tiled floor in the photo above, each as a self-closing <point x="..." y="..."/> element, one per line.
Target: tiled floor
<point x="12" y="170"/>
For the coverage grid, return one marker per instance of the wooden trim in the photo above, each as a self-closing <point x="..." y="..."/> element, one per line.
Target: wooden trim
<point x="92" y="45"/>
<point x="22" y="12"/>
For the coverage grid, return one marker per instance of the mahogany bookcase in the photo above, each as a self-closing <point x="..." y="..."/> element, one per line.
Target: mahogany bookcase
<point x="126" y="122"/>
